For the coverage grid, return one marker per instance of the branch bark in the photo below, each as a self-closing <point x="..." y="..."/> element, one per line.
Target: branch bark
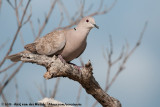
<point x="55" y="68"/>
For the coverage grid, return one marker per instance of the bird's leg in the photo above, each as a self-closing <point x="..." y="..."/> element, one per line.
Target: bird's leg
<point x="61" y="58"/>
<point x="77" y="67"/>
<point x="64" y="62"/>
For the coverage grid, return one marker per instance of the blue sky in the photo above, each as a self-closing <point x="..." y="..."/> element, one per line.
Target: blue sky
<point x="138" y="85"/>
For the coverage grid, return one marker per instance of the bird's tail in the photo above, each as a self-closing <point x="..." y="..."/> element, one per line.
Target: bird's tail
<point x="16" y="57"/>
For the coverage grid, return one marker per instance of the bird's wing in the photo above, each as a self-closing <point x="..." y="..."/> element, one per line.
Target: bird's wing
<point x="51" y="43"/>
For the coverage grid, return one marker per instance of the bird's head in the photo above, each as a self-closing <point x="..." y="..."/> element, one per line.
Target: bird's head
<point x="88" y="22"/>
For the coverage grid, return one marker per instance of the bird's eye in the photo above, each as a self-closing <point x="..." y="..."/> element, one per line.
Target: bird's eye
<point x="87" y="20"/>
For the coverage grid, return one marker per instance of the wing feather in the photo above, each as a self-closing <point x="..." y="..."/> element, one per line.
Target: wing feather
<point x="51" y="43"/>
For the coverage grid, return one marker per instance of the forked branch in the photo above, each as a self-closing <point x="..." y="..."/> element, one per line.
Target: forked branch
<point x="55" y="68"/>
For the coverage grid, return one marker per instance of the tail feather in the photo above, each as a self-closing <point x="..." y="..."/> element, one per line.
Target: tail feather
<point x="15" y="57"/>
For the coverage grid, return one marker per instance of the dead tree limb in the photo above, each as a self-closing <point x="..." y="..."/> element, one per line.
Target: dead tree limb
<point x="55" y="68"/>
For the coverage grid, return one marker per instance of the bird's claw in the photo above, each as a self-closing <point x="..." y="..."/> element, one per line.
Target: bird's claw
<point x="61" y="58"/>
<point x="78" y="67"/>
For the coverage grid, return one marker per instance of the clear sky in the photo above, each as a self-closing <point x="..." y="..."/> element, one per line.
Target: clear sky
<point x="137" y="86"/>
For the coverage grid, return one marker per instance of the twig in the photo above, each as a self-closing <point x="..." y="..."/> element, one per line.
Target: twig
<point x="17" y="93"/>
<point x="22" y="40"/>
<point x="101" y="5"/>
<point x="45" y="87"/>
<point x="10" y="4"/>
<point x="122" y="65"/>
<point x="32" y="28"/>
<point x="82" y="9"/>
<point x="28" y="19"/>
<point x="5" y="69"/>
<point x="92" y="14"/>
<point x="40" y="90"/>
<point x="4" y="98"/>
<point x="20" y="3"/>
<point x="62" y="17"/>
<point x="17" y="14"/>
<point x="4" y="78"/>
<point x="120" y="57"/>
<point x="4" y="44"/>
<point x="105" y="10"/>
<point x="46" y="19"/>
<point x="55" y="88"/>
<point x="89" y="9"/>
<point x="65" y="10"/>
<point x="79" y="94"/>
<point x="16" y="34"/>
<point x="109" y="54"/>
<point x="10" y="78"/>
<point x="29" y="96"/>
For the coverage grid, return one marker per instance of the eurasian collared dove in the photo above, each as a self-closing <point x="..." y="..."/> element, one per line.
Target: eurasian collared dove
<point x="69" y="44"/>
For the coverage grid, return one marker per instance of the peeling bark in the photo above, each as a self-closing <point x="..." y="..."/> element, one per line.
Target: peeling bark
<point x="55" y="68"/>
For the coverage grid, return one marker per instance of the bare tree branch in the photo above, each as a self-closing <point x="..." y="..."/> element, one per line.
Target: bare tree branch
<point x="105" y="10"/>
<point x="46" y="19"/>
<point x="4" y="78"/>
<point x="22" y="40"/>
<point x="32" y="28"/>
<point x="55" y="88"/>
<point x="17" y="13"/>
<point x="29" y="96"/>
<point x="16" y="34"/>
<point x="5" y="69"/>
<point x="4" y="44"/>
<point x="40" y="90"/>
<point x="63" y="8"/>
<point x="109" y="54"/>
<point x="20" y="3"/>
<point x="81" y="11"/>
<point x="89" y="9"/>
<point x="17" y="92"/>
<point x="79" y="94"/>
<point x="122" y="66"/>
<point x="10" y="4"/>
<point x="124" y="60"/>
<point x="28" y="19"/>
<point x="10" y="78"/>
<point x="62" y="16"/>
<point x="4" y="98"/>
<point x="55" y="68"/>
<point x="92" y="14"/>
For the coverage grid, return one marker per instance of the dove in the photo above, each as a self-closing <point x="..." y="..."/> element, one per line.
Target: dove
<point x="67" y="44"/>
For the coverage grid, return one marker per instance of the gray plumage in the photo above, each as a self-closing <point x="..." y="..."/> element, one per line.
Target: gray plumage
<point x="69" y="43"/>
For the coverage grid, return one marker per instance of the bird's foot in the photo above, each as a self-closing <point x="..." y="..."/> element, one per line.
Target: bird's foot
<point x="76" y="67"/>
<point x="61" y="58"/>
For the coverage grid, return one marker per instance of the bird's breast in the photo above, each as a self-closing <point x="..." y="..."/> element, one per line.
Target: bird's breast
<point x="73" y="49"/>
<point x="75" y="44"/>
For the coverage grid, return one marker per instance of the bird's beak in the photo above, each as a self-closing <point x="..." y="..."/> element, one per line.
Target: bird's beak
<point x="96" y="26"/>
